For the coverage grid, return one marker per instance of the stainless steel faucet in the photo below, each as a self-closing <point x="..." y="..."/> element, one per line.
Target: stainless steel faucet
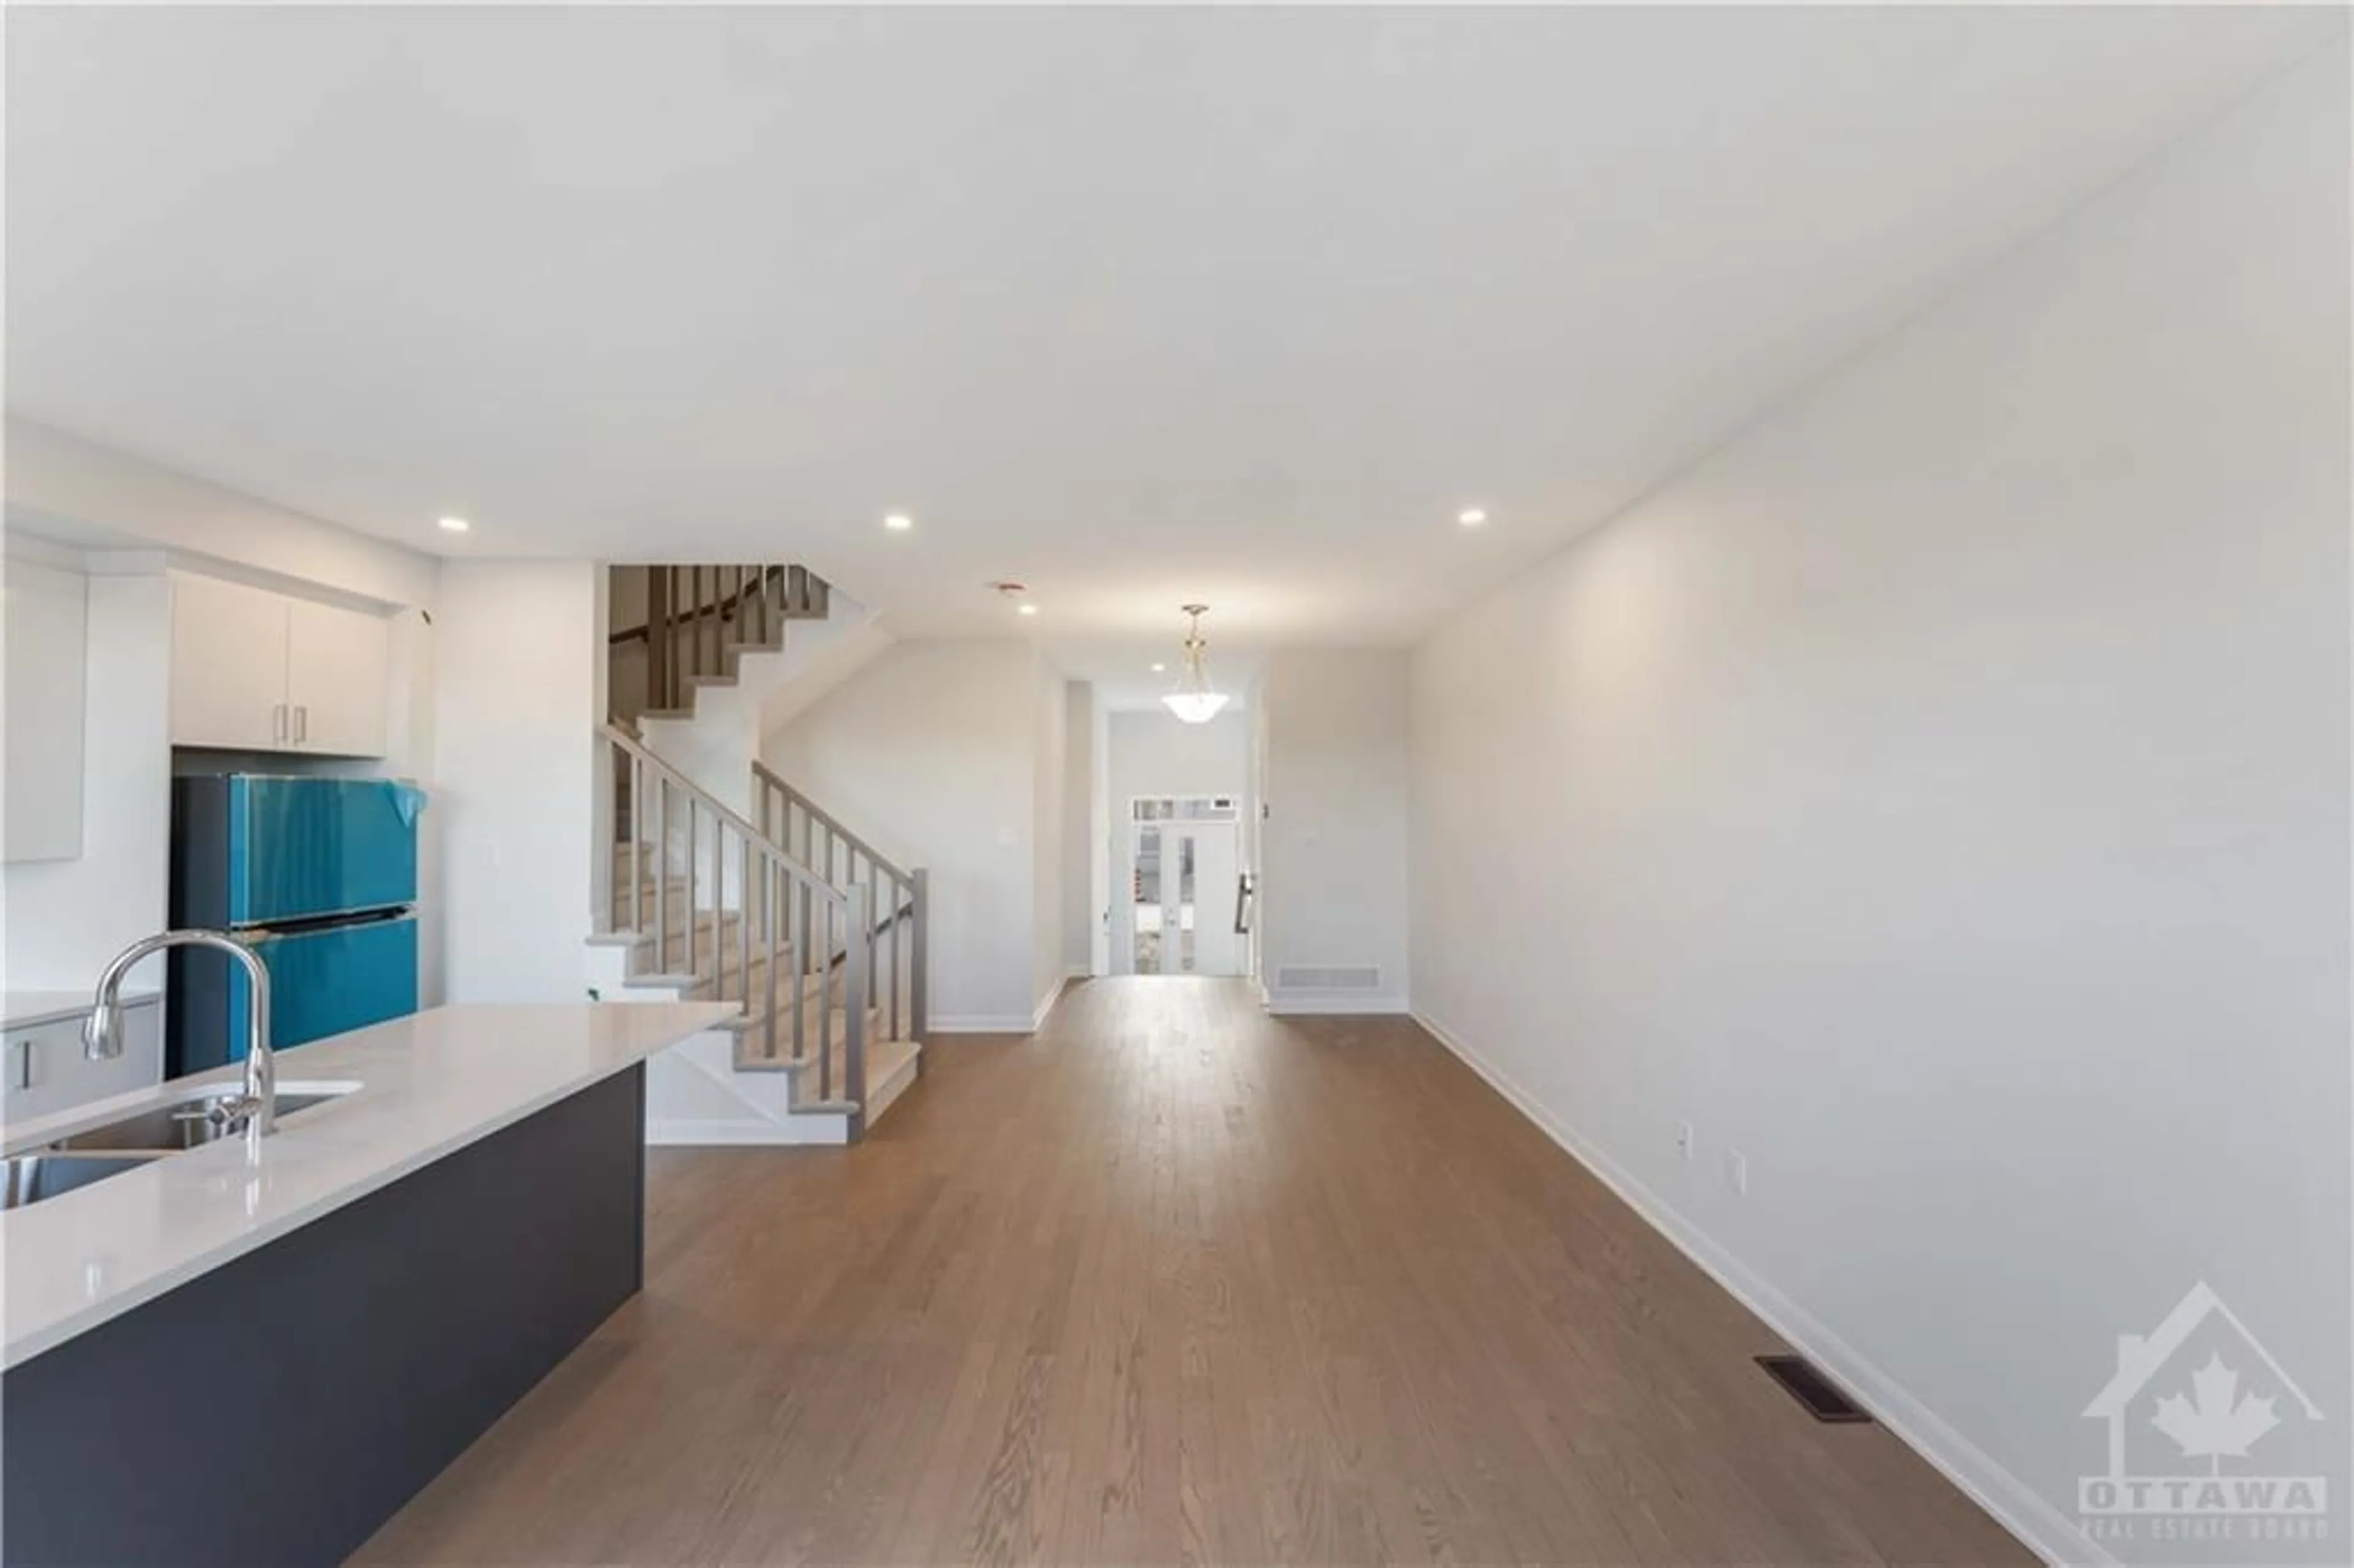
<point x="101" y="1031"/>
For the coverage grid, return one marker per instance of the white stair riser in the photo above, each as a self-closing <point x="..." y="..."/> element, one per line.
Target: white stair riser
<point x="696" y="1096"/>
<point x="753" y="1038"/>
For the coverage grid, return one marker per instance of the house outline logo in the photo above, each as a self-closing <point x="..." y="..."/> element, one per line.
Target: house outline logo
<point x="2121" y="1495"/>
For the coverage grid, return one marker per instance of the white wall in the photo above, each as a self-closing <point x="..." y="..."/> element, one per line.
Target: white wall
<point x="518" y="675"/>
<point x="1098" y="830"/>
<point x="930" y="752"/>
<point x="44" y="630"/>
<point x="1081" y="913"/>
<point x="1939" y="794"/>
<point x="1153" y="754"/>
<point x="1254" y="831"/>
<point x="1332" y="851"/>
<point x="412" y="754"/>
<point x="1050" y="782"/>
<point x="820" y="655"/>
<point x="64" y="919"/>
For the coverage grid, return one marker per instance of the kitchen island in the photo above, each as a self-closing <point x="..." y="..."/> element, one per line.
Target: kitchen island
<point x="255" y="1353"/>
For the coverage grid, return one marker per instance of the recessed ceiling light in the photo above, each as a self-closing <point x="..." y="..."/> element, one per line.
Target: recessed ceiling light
<point x="1025" y="610"/>
<point x="1471" y="517"/>
<point x="455" y="524"/>
<point x="1161" y="668"/>
<point x="898" y="521"/>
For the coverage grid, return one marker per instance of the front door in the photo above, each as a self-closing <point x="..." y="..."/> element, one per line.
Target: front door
<point x="1207" y="860"/>
<point x="1185" y="869"/>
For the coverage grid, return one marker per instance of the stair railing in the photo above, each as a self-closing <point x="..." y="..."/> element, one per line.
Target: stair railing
<point x="698" y="618"/>
<point x="681" y="859"/>
<point x="898" y="898"/>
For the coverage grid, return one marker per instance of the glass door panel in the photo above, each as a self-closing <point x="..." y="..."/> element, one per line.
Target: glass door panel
<point x="1180" y="920"/>
<point x="1144" y="878"/>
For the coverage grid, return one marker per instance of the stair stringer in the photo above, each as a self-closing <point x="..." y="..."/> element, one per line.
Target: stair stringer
<point x="715" y="747"/>
<point x="701" y="1097"/>
<point x="835" y="651"/>
<point x="695" y="1096"/>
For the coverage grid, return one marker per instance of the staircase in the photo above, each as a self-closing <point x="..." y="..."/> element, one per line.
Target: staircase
<point x="783" y="911"/>
<point x="699" y="622"/>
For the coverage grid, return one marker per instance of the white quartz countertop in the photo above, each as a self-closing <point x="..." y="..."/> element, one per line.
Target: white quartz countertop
<point x="431" y="1084"/>
<point x="23" y="1009"/>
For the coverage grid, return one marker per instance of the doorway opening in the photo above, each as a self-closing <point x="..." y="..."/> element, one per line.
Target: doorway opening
<point x="1184" y="881"/>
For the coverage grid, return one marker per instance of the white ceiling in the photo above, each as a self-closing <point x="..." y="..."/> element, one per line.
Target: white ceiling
<point x="1140" y="306"/>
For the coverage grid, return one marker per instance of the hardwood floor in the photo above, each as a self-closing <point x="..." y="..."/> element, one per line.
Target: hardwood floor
<point x="1175" y="1282"/>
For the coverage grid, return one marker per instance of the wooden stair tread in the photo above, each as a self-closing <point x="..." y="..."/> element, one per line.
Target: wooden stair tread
<point x="752" y="1022"/>
<point x="725" y="932"/>
<point x="884" y="1058"/>
<point x="728" y="966"/>
<point x="714" y="958"/>
<point x="750" y="1028"/>
<point x="674" y="933"/>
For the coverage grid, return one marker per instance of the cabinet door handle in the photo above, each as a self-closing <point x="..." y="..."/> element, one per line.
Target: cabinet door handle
<point x="301" y="721"/>
<point x="278" y="721"/>
<point x="25" y="1064"/>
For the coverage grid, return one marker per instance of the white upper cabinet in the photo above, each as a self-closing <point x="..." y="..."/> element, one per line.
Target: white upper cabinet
<point x="43" y="614"/>
<point x="228" y="666"/>
<point x="338" y="665"/>
<point x="256" y="670"/>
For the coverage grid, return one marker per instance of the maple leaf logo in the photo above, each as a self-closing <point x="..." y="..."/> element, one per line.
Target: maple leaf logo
<point x="2216" y="1420"/>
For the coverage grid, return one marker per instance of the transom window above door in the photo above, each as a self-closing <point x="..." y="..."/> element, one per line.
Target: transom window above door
<point x="1185" y="809"/>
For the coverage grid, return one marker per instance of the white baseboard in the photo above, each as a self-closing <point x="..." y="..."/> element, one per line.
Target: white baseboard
<point x="819" y="1129"/>
<point x="1001" y="1023"/>
<point x="2043" y="1528"/>
<point x="1078" y="972"/>
<point x="1046" y="1004"/>
<point x="1331" y="1004"/>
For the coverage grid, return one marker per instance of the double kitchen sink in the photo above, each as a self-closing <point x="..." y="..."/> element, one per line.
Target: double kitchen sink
<point x="158" y="1131"/>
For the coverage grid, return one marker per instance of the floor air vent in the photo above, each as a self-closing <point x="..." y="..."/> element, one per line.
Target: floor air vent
<point x="1822" y="1397"/>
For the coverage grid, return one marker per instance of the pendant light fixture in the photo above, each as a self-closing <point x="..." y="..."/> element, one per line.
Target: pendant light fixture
<point x="1194" y="701"/>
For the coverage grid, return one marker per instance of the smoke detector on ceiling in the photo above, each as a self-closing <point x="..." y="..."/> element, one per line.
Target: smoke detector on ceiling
<point x="1012" y="593"/>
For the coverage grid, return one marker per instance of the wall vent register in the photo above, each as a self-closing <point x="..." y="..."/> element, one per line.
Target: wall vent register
<point x="1824" y="1400"/>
